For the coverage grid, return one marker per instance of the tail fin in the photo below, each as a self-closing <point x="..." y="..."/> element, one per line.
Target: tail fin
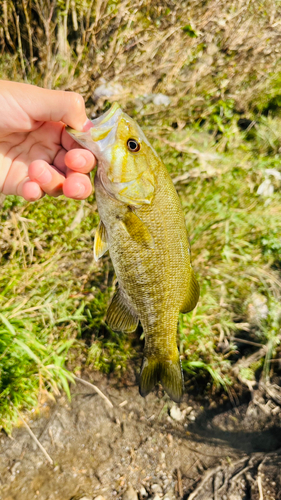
<point x="166" y="371"/>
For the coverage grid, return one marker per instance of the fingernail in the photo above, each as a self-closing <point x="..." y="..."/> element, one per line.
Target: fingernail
<point x="80" y="190"/>
<point x="44" y="177"/>
<point x="87" y="125"/>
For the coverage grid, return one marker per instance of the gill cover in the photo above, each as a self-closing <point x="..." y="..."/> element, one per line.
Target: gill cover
<point x="126" y="175"/>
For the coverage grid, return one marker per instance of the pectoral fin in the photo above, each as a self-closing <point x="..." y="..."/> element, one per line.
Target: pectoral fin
<point x="100" y="244"/>
<point x="137" y="230"/>
<point x="192" y="294"/>
<point x="119" y="316"/>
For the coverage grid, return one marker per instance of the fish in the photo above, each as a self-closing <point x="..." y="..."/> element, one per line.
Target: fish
<point x="142" y="226"/>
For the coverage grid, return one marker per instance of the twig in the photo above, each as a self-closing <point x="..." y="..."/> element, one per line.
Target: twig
<point x="207" y="476"/>
<point x="259" y="481"/>
<point x="28" y="27"/>
<point x="192" y="465"/>
<point x="216" y="470"/>
<point x="35" y="438"/>
<point x="15" y="222"/>
<point x="260" y="488"/>
<point x="243" y="341"/>
<point x="49" y="423"/>
<point x="272" y="391"/>
<point x="246" y="362"/>
<point x="102" y="395"/>
<point x="180" y="489"/>
<point x="259" y="478"/>
<point x="20" y="46"/>
<point x="6" y="24"/>
<point x="74" y="16"/>
<point x="123" y="403"/>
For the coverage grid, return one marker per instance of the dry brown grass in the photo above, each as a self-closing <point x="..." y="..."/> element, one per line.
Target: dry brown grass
<point x="189" y="50"/>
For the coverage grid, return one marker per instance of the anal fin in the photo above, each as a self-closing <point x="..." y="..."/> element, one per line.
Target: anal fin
<point x="119" y="316"/>
<point x="192" y="294"/>
<point x="100" y="244"/>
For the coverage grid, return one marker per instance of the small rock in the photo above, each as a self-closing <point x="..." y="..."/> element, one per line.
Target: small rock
<point x="156" y="488"/>
<point x="212" y="49"/>
<point x="257" y="309"/>
<point x="143" y="493"/>
<point x="275" y="173"/>
<point x="83" y="497"/>
<point x="192" y="416"/>
<point x="266" y="189"/>
<point x="169" y="495"/>
<point x="157" y="99"/>
<point x="15" y="468"/>
<point x="107" y="90"/>
<point x="161" y="99"/>
<point x="130" y="494"/>
<point x="156" y="497"/>
<point x="176" y="413"/>
<point x="99" y="498"/>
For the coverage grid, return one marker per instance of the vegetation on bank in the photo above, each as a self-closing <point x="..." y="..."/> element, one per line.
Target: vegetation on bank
<point x="220" y="139"/>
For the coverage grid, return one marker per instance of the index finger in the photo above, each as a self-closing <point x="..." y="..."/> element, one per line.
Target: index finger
<point x="80" y="160"/>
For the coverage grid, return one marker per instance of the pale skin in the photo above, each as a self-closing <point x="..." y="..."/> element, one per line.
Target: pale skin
<point x="37" y="156"/>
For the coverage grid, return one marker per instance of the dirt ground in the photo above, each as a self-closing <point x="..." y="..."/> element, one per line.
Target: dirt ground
<point x="145" y="448"/>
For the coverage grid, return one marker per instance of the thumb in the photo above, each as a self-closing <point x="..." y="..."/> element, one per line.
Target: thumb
<point x="59" y="105"/>
<point x="50" y="105"/>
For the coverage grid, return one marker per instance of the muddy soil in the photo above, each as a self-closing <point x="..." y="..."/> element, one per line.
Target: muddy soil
<point x="195" y="450"/>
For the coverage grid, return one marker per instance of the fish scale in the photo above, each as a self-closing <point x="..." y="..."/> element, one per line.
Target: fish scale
<point x="143" y="227"/>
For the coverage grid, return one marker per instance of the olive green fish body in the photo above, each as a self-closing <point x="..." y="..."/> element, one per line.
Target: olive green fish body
<point x="154" y="278"/>
<point x="143" y="227"/>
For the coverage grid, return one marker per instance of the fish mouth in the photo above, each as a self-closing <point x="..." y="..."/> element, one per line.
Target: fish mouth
<point x="102" y="132"/>
<point x="109" y="115"/>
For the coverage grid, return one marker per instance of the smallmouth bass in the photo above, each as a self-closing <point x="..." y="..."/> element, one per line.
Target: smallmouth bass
<point x="143" y="227"/>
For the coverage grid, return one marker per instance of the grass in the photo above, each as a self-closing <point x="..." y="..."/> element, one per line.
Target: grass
<point x="53" y="295"/>
<point x="29" y="364"/>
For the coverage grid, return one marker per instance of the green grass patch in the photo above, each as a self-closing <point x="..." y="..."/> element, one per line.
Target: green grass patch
<point x="53" y="296"/>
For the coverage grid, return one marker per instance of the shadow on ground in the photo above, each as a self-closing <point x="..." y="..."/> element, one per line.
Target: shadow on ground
<point x="184" y="451"/>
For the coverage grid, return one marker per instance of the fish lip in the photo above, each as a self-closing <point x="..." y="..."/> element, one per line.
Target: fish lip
<point x="104" y="126"/>
<point x="102" y="132"/>
<point x="105" y="117"/>
<point x="85" y="140"/>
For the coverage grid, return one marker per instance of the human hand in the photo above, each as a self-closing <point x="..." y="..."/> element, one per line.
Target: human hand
<point x="37" y="156"/>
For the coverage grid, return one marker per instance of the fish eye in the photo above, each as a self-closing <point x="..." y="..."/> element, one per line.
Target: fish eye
<point x="133" y="145"/>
